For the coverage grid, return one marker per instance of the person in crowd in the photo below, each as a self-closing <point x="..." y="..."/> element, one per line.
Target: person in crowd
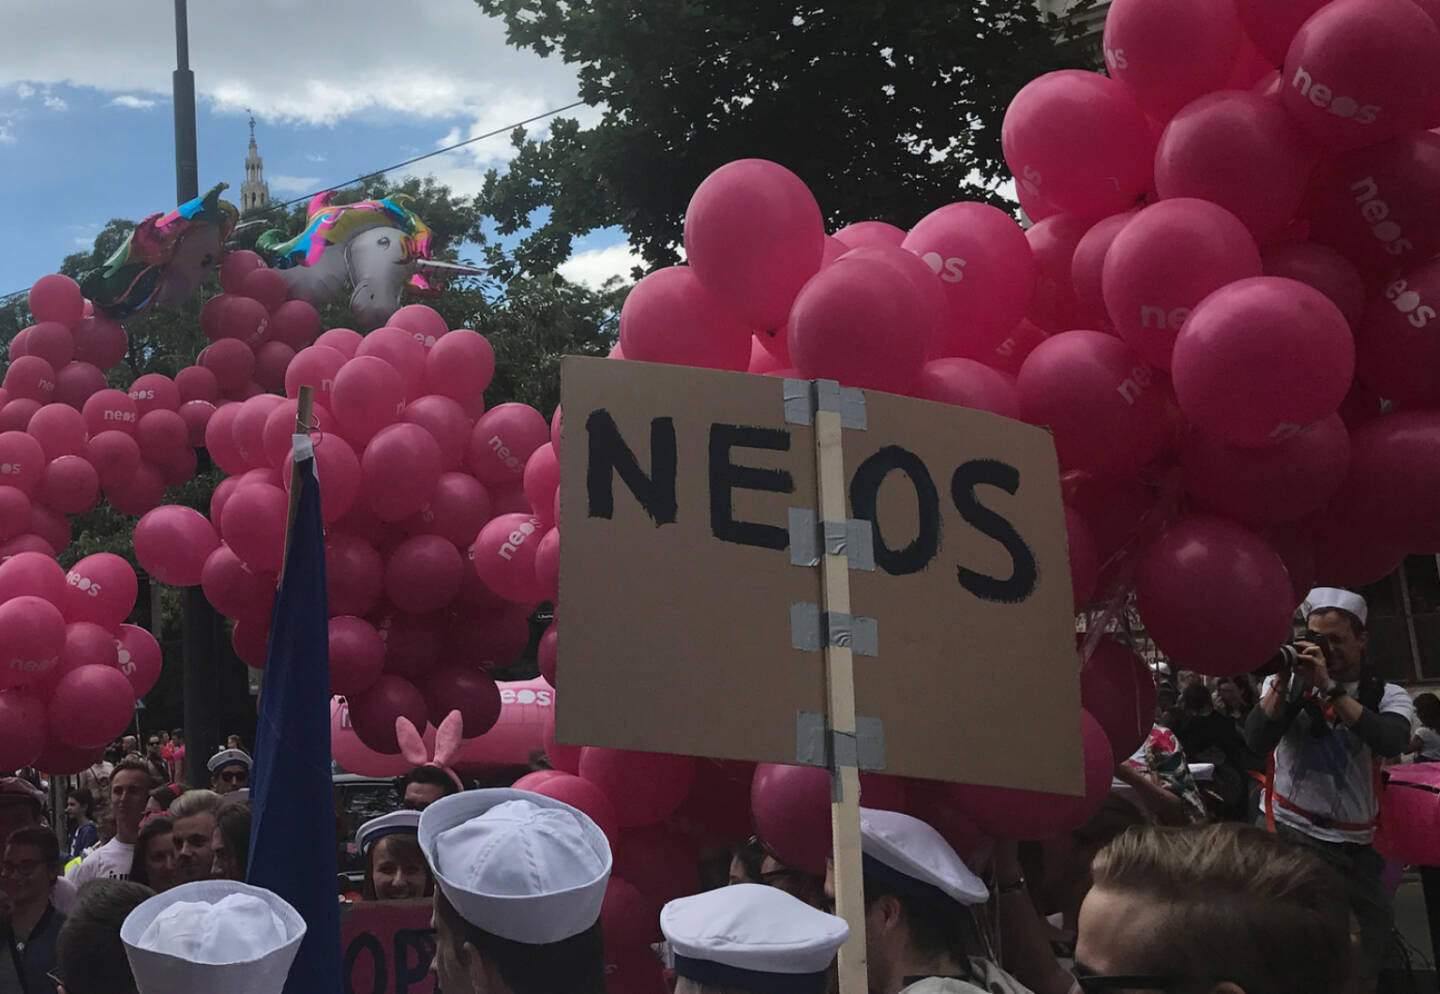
<point x="96" y="779"/>
<point x="1159" y="775"/>
<point x="90" y="956"/>
<point x="167" y="754"/>
<point x="750" y="938"/>
<point x="808" y="887"/>
<point x="1324" y="723"/>
<point x="229" y="770"/>
<point x="161" y="798"/>
<point x="234" y="742"/>
<point x="130" y="747"/>
<point x="424" y="785"/>
<point x="1208" y="736"/>
<point x="1234" y="697"/>
<point x="154" y="864"/>
<point x="1223" y="909"/>
<point x="1425" y="743"/>
<point x="395" y="868"/>
<point x="21" y="805"/>
<point x="80" y="809"/>
<point x="501" y="932"/>
<point x="920" y="934"/>
<point x="231" y="845"/>
<point x="130" y="787"/>
<point x="214" y="936"/>
<point x="177" y="756"/>
<point x="29" y="930"/>
<point x="194" y="815"/>
<point x="746" y="859"/>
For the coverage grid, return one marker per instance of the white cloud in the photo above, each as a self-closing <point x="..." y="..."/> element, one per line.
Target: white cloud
<point x="314" y="157"/>
<point x="7" y="133"/>
<point x="595" y="266"/>
<point x="24" y="91"/>
<point x="53" y="102"/>
<point x="280" y="183"/>
<point x="133" y="102"/>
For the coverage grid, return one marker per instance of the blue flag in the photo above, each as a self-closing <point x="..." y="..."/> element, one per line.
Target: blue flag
<point x="292" y="835"/>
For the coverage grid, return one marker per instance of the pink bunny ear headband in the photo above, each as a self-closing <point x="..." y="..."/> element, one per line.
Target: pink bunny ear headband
<point x="447" y="744"/>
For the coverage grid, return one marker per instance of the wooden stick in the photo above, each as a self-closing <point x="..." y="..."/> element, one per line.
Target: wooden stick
<point x="840" y="705"/>
<point x="304" y="408"/>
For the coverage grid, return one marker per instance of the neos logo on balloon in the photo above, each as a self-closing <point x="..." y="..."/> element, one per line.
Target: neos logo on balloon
<point x="1376" y="213"/>
<point x="1409" y="303"/>
<point x="1320" y="95"/>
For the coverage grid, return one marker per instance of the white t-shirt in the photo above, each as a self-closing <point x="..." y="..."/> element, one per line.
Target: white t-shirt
<point x="1429" y="744"/>
<point x="62" y="895"/>
<point x="988" y="978"/>
<point x="109" y="862"/>
<point x="1331" y="774"/>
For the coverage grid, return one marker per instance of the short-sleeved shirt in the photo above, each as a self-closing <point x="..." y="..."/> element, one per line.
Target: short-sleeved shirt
<point x="1429" y="744"/>
<point x="110" y="862"/>
<point x="1331" y="774"/>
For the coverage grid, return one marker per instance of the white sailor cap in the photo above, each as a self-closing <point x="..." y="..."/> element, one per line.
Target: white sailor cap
<point x="751" y="937"/>
<point x="217" y="936"/>
<point x="395" y="823"/>
<point x="519" y="865"/>
<point x="228" y="757"/>
<point x="1321" y="598"/>
<point x="911" y="857"/>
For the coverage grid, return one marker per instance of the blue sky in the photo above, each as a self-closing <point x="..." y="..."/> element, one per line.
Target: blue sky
<point x="86" y="118"/>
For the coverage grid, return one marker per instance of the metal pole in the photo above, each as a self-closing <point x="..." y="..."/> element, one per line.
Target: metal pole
<point x="201" y="651"/>
<point x="187" y="170"/>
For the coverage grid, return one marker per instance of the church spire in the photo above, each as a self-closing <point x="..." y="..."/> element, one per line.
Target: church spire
<point x="254" y="192"/>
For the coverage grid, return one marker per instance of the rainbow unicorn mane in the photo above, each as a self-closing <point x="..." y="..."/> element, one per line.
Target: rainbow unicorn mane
<point x="329" y="225"/>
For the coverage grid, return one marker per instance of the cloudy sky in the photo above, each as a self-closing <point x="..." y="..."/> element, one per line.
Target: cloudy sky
<point x="336" y="90"/>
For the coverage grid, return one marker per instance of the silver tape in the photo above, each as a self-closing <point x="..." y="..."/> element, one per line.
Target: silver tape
<point x="804" y="397"/>
<point x="301" y="448"/>
<point x="818" y="745"/>
<point x="799" y="405"/>
<point x="853" y="539"/>
<point x="811" y="630"/>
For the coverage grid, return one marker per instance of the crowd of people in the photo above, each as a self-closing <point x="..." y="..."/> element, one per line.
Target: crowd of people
<point x="1187" y="878"/>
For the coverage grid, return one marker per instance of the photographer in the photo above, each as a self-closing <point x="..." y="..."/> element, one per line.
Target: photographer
<point x="1325" y="720"/>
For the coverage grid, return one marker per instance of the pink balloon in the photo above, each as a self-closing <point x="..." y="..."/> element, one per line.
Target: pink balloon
<point x="1380" y="206"/>
<point x="32" y="636"/>
<point x="563" y="758"/>
<point x="143" y="490"/>
<point x="456" y="510"/>
<point x="212" y="316"/>
<point x="251" y="642"/>
<point x="100" y="342"/>
<point x="16" y="414"/>
<point x="1167" y="55"/>
<point x="446" y="421"/>
<point x="271" y="361"/>
<point x="1010" y="813"/>
<point x="400" y="349"/>
<point x="249" y="429"/>
<point x="1165" y="261"/>
<point x="52" y="526"/>
<point x="1321" y="267"/>
<point x="1271" y="24"/>
<point x="861" y="322"/>
<point x="116" y="456"/>
<point x="1054" y="306"/>
<point x="1084" y="559"/>
<point x="172" y="544"/>
<point x="368" y="394"/>
<point x="51" y="341"/>
<point x="472" y="692"/>
<point x="277" y="431"/>
<point x="644" y="787"/>
<point x="30" y="378"/>
<point x="100" y="588"/>
<point x="967" y="383"/>
<point x="342" y="340"/>
<point x="1361" y="71"/>
<point x="399" y="469"/>
<point x="352" y="754"/>
<point x="109" y="410"/>
<point x="14" y="513"/>
<point x="163" y="436"/>
<point x="357" y="655"/>
<point x="985" y="266"/>
<point x="791" y="810"/>
<point x="295" y="323"/>
<point x="502" y="442"/>
<point x="57" y="297"/>
<point x="670" y="317"/>
<point x="153" y="392"/>
<point x="86" y="644"/>
<point x="22" y="461"/>
<point x="1104" y="405"/>
<point x="253" y="524"/>
<point x="32" y="573"/>
<point x="18" y="344"/>
<point x="1207" y="582"/>
<point x="76" y="382"/>
<point x="547" y="565"/>
<point x="1271" y="485"/>
<point x="413" y="643"/>
<point x="373" y="712"/>
<point x="244" y="320"/>
<point x="542" y="480"/>
<point x="60" y="430"/>
<point x="863" y="233"/>
<point x="1393" y="460"/>
<point x="236" y="266"/>
<point x="196" y="415"/>
<point x="354" y="575"/>
<point x="315" y="367"/>
<point x="1397" y="345"/>
<point x="22" y="729"/>
<point x="197" y="383"/>
<point x="494" y="638"/>
<point x="138" y="658"/>
<point x="69" y="484"/>
<point x="91" y="705"/>
<point x="1118" y="691"/>
<point x="584" y="795"/>
<point x="460" y="365"/>
<point x="232" y="362"/>
<point x="234" y="589"/>
<point x="1241" y="152"/>
<point x="1261" y="359"/>
<point x="423" y="323"/>
<point x="1080" y="141"/>
<point x="505" y="557"/>
<point x="423" y="574"/>
<point x="753" y="235"/>
<point x="267" y="286"/>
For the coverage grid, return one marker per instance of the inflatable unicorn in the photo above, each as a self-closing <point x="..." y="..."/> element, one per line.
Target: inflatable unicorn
<point x="379" y="246"/>
<point x="165" y="258"/>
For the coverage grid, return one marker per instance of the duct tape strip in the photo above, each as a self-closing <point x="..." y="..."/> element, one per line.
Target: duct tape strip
<point x="818" y="745"/>
<point x="811" y="630"/>
<point x="853" y="539"/>
<point x="803" y="398"/>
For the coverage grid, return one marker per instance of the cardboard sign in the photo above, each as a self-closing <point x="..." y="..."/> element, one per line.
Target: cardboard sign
<point x="676" y="578"/>
<point x="388" y="946"/>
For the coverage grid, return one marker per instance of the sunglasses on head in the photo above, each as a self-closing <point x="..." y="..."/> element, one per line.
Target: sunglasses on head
<point x="234" y="776"/>
<point x="1093" y="982"/>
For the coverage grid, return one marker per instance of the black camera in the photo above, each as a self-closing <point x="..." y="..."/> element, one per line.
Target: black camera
<point x="1289" y="654"/>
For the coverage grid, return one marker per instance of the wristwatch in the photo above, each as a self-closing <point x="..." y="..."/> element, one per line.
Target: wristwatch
<point x="1336" y="691"/>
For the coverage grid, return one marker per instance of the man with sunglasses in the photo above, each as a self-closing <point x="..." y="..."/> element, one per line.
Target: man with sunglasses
<point x="229" y="771"/>
<point x="1224" y="909"/>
